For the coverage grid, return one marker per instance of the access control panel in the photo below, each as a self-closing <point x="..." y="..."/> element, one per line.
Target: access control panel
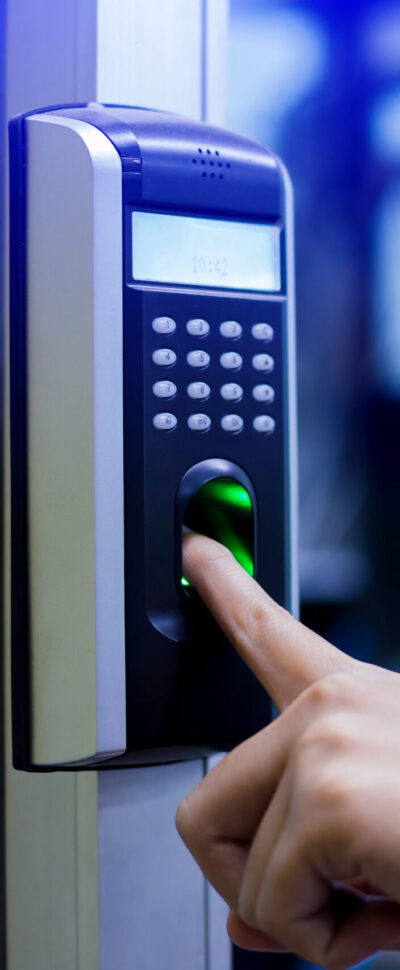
<point x="152" y="389"/>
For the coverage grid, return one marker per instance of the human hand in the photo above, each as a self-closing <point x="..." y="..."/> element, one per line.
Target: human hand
<point x="298" y="828"/>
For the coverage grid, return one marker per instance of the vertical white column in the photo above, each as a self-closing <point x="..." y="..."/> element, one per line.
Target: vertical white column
<point x="97" y="878"/>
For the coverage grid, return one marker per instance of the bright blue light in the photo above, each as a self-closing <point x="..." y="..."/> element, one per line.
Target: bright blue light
<point x="275" y="59"/>
<point x="384" y="126"/>
<point x="382" y="41"/>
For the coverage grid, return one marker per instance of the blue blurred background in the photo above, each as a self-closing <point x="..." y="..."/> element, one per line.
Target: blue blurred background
<point x="319" y="82"/>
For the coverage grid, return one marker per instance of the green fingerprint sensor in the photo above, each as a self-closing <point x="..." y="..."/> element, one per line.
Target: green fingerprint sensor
<point x="223" y="510"/>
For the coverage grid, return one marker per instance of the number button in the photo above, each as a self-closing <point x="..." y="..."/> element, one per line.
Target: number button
<point x="231" y="392"/>
<point x="230" y="328"/>
<point x="198" y="358"/>
<point x="165" y="421"/>
<point x="164" y="389"/>
<point x="231" y="360"/>
<point x="199" y="422"/>
<point x="199" y="391"/>
<point x="164" y="357"/>
<point x="263" y="362"/>
<point x="263" y="392"/>
<point x="165" y="325"/>
<point x="198" y="328"/>
<point x="232" y="423"/>
<point x="264" y="424"/>
<point x="262" y="331"/>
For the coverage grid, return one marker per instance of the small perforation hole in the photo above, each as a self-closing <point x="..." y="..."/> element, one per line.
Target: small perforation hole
<point x="204" y="174"/>
<point x="220" y="176"/>
<point x="203" y="161"/>
<point x="200" y="151"/>
<point x="211" y="163"/>
<point x="194" y="160"/>
<point x="208" y="151"/>
<point x="216" y="152"/>
<point x="228" y="164"/>
<point x="213" y="175"/>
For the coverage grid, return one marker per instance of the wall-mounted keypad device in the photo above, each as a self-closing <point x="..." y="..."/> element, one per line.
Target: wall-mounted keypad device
<point x="152" y="388"/>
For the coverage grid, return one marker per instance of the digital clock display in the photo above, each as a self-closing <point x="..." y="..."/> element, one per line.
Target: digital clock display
<point x="205" y="252"/>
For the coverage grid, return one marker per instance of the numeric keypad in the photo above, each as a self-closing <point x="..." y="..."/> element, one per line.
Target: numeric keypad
<point x="221" y="355"/>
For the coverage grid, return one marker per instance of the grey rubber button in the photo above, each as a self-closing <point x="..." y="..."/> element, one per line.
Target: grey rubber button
<point x="263" y="362"/>
<point x="198" y="328"/>
<point x="164" y="357"/>
<point x="264" y="423"/>
<point x="231" y="392"/>
<point x="165" y="421"/>
<point x="198" y="358"/>
<point x="262" y="331"/>
<point x="165" y="325"/>
<point x="231" y="360"/>
<point x="199" y="422"/>
<point x="230" y="328"/>
<point x="232" y="423"/>
<point x="199" y="391"/>
<point x="263" y="392"/>
<point x="164" y="389"/>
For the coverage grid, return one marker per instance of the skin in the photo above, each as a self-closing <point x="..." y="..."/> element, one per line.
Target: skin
<point x="298" y="828"/>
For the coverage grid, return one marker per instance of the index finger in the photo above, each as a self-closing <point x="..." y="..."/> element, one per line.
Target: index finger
<point x="284" y="655"/>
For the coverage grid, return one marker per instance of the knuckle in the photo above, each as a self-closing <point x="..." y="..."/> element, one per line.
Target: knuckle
<point x="333" y="689"/>
<point x="185" y="820"/>
<point x="273" y="920"/>
<point x="331" y="792"/>
<point x="335" y="817"/>
<point x="331" y="732"/>
<point x="255" y="914"/>
<point x="246" y="911"/>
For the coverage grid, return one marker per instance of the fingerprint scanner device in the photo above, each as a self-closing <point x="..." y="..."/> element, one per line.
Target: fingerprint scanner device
<point x="152" y="389"/>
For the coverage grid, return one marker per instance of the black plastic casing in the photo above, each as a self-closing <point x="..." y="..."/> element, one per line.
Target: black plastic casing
<point x="188" y="693"/>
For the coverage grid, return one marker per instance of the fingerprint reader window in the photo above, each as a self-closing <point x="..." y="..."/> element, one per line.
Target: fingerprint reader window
<point x="223" y="510"/>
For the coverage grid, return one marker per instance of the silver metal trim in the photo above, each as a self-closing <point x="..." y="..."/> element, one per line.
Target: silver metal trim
<point x="75" y="442"/>
<point x="293" y="478"/>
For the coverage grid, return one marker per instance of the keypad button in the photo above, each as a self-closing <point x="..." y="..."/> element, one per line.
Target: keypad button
<point x="164" y="389"/>
<point x="231" y="392"/>
<point x="165" y="325"/>
<point x="263" y="392"/>
<point x="232" y="423"/>
<point x="198" y="358"/>
<point x="198" y="328"/>
<point x="164" y="357"/>
<point x="165" y="421"/>
<point x="263" y="362"/>
<point x="264" y="423"/>
<point x="262" y="331"/>
<point x="231" y="360"/>
<point x="199" y="391"/>
<point x="230" y="328"/>
<point x="199" y="422"/>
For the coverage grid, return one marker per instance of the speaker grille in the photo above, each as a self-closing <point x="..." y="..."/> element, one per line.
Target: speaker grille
<point x="210" y="163"/>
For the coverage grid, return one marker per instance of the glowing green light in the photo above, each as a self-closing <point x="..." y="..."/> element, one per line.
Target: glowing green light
<point x="228" y="491"/>
<point x="223" y="510"/>
<point x="242" y="556"/>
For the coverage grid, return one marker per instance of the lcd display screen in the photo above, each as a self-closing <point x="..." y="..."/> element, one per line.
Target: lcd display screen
<point x="205" y="252"/>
